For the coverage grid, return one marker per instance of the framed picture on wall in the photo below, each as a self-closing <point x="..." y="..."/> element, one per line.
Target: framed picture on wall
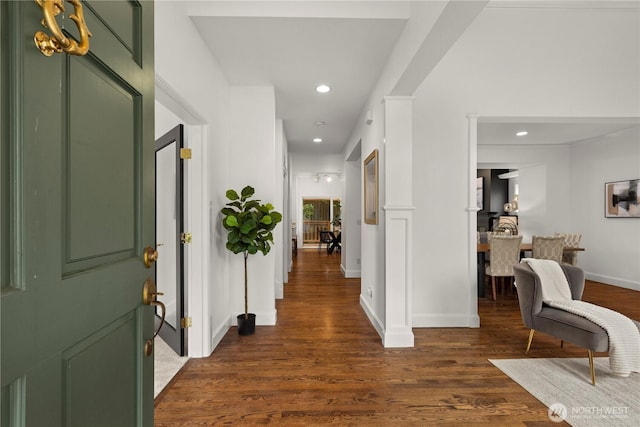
<point x="371" y="188"/>
<point x="622" y="199"/>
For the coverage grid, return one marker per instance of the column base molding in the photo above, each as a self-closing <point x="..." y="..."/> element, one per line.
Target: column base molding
<point x="398" y="338"/>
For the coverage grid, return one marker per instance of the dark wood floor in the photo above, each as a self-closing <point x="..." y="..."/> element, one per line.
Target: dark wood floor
<point x="323" y="363"/>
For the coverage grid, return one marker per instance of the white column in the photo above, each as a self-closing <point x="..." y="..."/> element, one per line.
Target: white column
<point x="472" y="210"/>
<point x="398" y="206"/>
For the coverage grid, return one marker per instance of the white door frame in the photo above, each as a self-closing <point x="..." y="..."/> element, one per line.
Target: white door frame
<point x="196" y="188"/>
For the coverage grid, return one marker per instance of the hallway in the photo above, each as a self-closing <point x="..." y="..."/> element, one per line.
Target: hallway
<point x="323" y="363"/>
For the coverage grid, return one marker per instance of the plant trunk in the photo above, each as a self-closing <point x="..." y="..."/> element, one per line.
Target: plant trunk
<point x="246" y="299"/>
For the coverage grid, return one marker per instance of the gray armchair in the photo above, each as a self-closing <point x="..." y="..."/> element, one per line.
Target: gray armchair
<point x="555" y="322"/>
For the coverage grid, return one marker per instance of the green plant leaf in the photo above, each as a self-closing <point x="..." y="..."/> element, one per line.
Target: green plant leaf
<point x="250" y="205"/>
<point x="276" y="217"/>
<point x="235" y="247"/>
<point x="232" y="221"/>
<point x="235" y="204"/>
<point x="248" y="225"/>
<point x="232" y="195"/>
<point x="229" y="211"/>
<point x="233" y="236"/>
<point x="266" y="219"/>
<point x="247" y="192"/>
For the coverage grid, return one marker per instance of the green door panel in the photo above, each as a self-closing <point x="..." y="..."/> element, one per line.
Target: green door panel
<point x="103" y="168"/>
<point x="77" y="210"/>
<point x="85" y="393"/>
<point x="123" y="17"/>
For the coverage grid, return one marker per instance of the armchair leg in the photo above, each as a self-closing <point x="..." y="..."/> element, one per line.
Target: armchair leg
<point x="591" y="368"/>
<point x="530" y="339"/>
<point x="561" y="343"/>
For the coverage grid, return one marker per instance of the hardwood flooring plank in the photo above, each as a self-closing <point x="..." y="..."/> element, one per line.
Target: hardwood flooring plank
<point x="324" y="364"/>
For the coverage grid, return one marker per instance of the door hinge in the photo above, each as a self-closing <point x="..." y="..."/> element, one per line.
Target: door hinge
<point x="185" y="238"/>
<point x="185" y="153"/>
<point x="185" y="322"/>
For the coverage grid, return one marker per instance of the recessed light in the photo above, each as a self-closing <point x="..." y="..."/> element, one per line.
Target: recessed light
<point x="323" y="89"/>
<point x="317" y="140"/>
<point x="522" y="133"/>
<point x="320" y="123"/>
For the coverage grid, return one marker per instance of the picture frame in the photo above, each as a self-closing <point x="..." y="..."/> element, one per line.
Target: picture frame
<point x="370" y="168"/>
<point x="622" y="199"/>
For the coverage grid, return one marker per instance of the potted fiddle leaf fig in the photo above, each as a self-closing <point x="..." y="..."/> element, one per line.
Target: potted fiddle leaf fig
<point x="249" y="224"/>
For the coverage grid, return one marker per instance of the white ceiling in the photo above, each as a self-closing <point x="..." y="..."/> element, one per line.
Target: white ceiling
<point x="295" y="54"/>
<point x="294" y="46"/>
<point x="541" y="131"/>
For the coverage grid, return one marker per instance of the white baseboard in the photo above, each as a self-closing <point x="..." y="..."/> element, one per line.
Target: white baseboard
<point x="377" y="324"/>
<point x="216" y="337"/>
<point x="350" y="274"/>
<point x="614" y="281"/>
<point x="445" y="321"/>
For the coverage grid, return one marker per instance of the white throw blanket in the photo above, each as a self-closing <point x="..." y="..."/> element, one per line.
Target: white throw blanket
<point x="554" y="282"/>
<point x="624" y="336"/>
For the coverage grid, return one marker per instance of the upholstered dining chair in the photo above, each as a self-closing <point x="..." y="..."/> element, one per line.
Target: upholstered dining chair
<point x="548" y="247"/>
<point x="571" y="240"/>
<point x="505" y="253"/>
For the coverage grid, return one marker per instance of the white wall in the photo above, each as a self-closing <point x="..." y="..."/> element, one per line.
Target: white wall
<point x="505" y="65"/>
<point x="612" y="244"/>
<point x="195" y="80"/>
<point x="252" y="160"/>
<point x="309" y="164"/>
<point x="423" y="15"/>
<point x="165" y="120"/>
<point x="544" y="182"/>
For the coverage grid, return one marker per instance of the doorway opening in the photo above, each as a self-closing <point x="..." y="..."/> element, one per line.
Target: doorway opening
<point x="320" y="214"/>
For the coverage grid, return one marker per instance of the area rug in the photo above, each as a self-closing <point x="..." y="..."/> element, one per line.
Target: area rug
<point x="564" y="386"/>
<point x="166" y="365"/>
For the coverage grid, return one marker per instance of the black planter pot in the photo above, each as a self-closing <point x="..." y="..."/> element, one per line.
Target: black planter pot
<point x="246" y="326"/>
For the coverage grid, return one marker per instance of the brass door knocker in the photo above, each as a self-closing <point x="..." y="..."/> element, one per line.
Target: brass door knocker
<point x="58" y="42"/>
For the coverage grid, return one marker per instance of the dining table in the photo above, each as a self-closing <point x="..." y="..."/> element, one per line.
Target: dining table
<point x="483" y="248"/>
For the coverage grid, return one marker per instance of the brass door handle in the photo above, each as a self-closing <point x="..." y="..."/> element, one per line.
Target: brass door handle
<point x="149" y="256"/>
<point x="150" y="297"/>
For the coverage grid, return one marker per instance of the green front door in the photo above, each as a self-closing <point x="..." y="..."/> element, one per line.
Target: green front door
<point x="77" y="211"/>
